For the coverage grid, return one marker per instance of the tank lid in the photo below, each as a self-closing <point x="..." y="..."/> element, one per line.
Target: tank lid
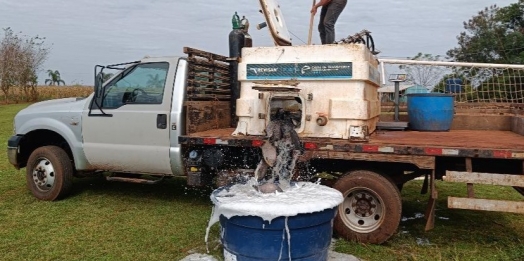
<point x="276" y="23"/>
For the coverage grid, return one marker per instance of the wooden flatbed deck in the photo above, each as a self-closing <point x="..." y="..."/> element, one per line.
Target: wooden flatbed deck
<point x="466" y="143"/>
<point x="454" y="138"/>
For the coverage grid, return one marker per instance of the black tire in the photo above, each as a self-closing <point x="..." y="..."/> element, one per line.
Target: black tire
<point x="49" y="173"/>
<point x="371" y="210"/>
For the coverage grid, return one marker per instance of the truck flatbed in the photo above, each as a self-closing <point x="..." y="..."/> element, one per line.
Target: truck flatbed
<point x="460" y="143"/>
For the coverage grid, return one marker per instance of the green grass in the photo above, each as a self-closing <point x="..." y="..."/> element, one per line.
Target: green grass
<point x="101" y="220"/>
<point x="118" y="221"/>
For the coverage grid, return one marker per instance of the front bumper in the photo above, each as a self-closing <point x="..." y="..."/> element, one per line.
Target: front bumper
<point x="13" y="150"/>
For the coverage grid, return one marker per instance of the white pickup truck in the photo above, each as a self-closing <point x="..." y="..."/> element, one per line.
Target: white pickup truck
<point x="172" y="116"/>
<point x="130" y="124"/>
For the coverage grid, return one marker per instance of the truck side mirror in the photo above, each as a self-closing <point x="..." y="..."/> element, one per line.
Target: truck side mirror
<point x="99" y="80"/>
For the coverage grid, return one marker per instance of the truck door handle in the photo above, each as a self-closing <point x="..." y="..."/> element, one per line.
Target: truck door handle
<point x="161" y="121"/>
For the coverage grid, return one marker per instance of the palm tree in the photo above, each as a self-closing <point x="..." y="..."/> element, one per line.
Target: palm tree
<point x="54" y="77"/>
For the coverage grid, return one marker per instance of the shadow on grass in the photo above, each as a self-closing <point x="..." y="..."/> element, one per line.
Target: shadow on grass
<point x="168" y="190"/>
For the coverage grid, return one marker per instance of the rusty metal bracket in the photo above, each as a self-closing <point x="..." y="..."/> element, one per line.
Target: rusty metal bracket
<point x="469" y="169"/>
<point x="309" y="96"/>
<point x="425" y="185"/>
<point x="520" y="189"/>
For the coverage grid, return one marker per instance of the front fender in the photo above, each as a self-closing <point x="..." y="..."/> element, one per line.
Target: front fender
<point x="67" y="131"/>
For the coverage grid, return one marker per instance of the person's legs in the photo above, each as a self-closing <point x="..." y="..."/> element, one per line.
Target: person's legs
<point x="332" y="13"/>
<point x="321" y="28"/>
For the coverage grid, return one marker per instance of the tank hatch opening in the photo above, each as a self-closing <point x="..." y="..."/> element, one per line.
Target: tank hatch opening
<point x="286" y="107"/>
<point x="284" y="101"/>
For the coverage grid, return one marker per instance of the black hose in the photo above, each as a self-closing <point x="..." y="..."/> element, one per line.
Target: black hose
<point x="364" y="37"/>
<point x="370" y="42"/>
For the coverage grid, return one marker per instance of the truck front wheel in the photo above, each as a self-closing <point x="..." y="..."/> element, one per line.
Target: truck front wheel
<point x="49" y="173"/>
<point x="371" y="210"/>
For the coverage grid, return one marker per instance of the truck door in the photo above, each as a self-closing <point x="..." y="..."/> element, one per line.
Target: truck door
<point x="133" y="134"/>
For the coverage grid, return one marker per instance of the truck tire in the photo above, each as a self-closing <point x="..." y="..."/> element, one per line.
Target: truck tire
<point x="49" y="173"/>
<point x="371" y="210"/>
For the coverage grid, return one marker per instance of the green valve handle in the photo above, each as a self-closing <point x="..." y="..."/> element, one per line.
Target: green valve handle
<point x="236" y="21"/>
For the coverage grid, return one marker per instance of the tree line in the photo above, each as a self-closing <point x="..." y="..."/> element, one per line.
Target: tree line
<point x="20" y="59"/>
<point x="494" y="35"/>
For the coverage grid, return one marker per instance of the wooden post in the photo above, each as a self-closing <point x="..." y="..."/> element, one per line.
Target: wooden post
<point x="430" y="209"/>
<point x="311" y="24"/>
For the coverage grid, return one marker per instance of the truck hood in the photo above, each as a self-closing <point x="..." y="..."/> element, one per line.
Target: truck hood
<point x="40" y="114"/>
<point x="56" y="105"/>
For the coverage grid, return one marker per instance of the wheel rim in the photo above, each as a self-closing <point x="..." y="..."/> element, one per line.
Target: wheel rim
<point x="44" y="174"/>
<point x="362" y="210"/>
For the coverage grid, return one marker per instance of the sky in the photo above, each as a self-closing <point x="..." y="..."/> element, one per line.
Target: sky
<point x="84" y="33"/>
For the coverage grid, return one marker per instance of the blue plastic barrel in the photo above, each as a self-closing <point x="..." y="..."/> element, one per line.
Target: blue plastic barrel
<point x="250" y="238"/>
<point x="430" y="111"/>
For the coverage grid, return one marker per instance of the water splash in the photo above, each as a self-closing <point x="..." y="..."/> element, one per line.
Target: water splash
<point x="283" y="141"/>
<point x="417" y="216"/>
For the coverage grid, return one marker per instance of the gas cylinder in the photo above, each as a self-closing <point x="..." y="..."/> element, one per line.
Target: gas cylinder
<point x="248" y="42"/>
<point x="236" y="43"/>
<point x="236" y="37"/>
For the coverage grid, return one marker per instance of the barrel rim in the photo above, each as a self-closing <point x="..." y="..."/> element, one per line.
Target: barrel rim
<point x="431" y="94"/>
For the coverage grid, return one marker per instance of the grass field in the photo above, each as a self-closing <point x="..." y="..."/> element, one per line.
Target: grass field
<point x="119" y="221"/>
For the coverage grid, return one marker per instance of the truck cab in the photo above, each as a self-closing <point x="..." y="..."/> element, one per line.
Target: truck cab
<point x="129" y="124"/>
<point x="137" y="114"/>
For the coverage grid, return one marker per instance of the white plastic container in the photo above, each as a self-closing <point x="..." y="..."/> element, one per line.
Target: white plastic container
<point x="336" y="84"/>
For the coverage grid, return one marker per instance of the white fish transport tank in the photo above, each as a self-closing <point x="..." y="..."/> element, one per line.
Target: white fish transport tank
<point x="331" y="89"/>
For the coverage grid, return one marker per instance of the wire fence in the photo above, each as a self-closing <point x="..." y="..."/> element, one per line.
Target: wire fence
<point x="472" y="84"/>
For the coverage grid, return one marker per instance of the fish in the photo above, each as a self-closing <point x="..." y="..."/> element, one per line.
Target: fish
<point x="268" y="188"/>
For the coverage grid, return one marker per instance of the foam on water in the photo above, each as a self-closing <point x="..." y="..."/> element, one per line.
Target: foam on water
<point x="299" y="198"/>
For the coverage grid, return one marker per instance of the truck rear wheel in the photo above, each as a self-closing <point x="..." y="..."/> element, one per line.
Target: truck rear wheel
<point x="371" y="210"/>
<point x="49" y="173"/>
